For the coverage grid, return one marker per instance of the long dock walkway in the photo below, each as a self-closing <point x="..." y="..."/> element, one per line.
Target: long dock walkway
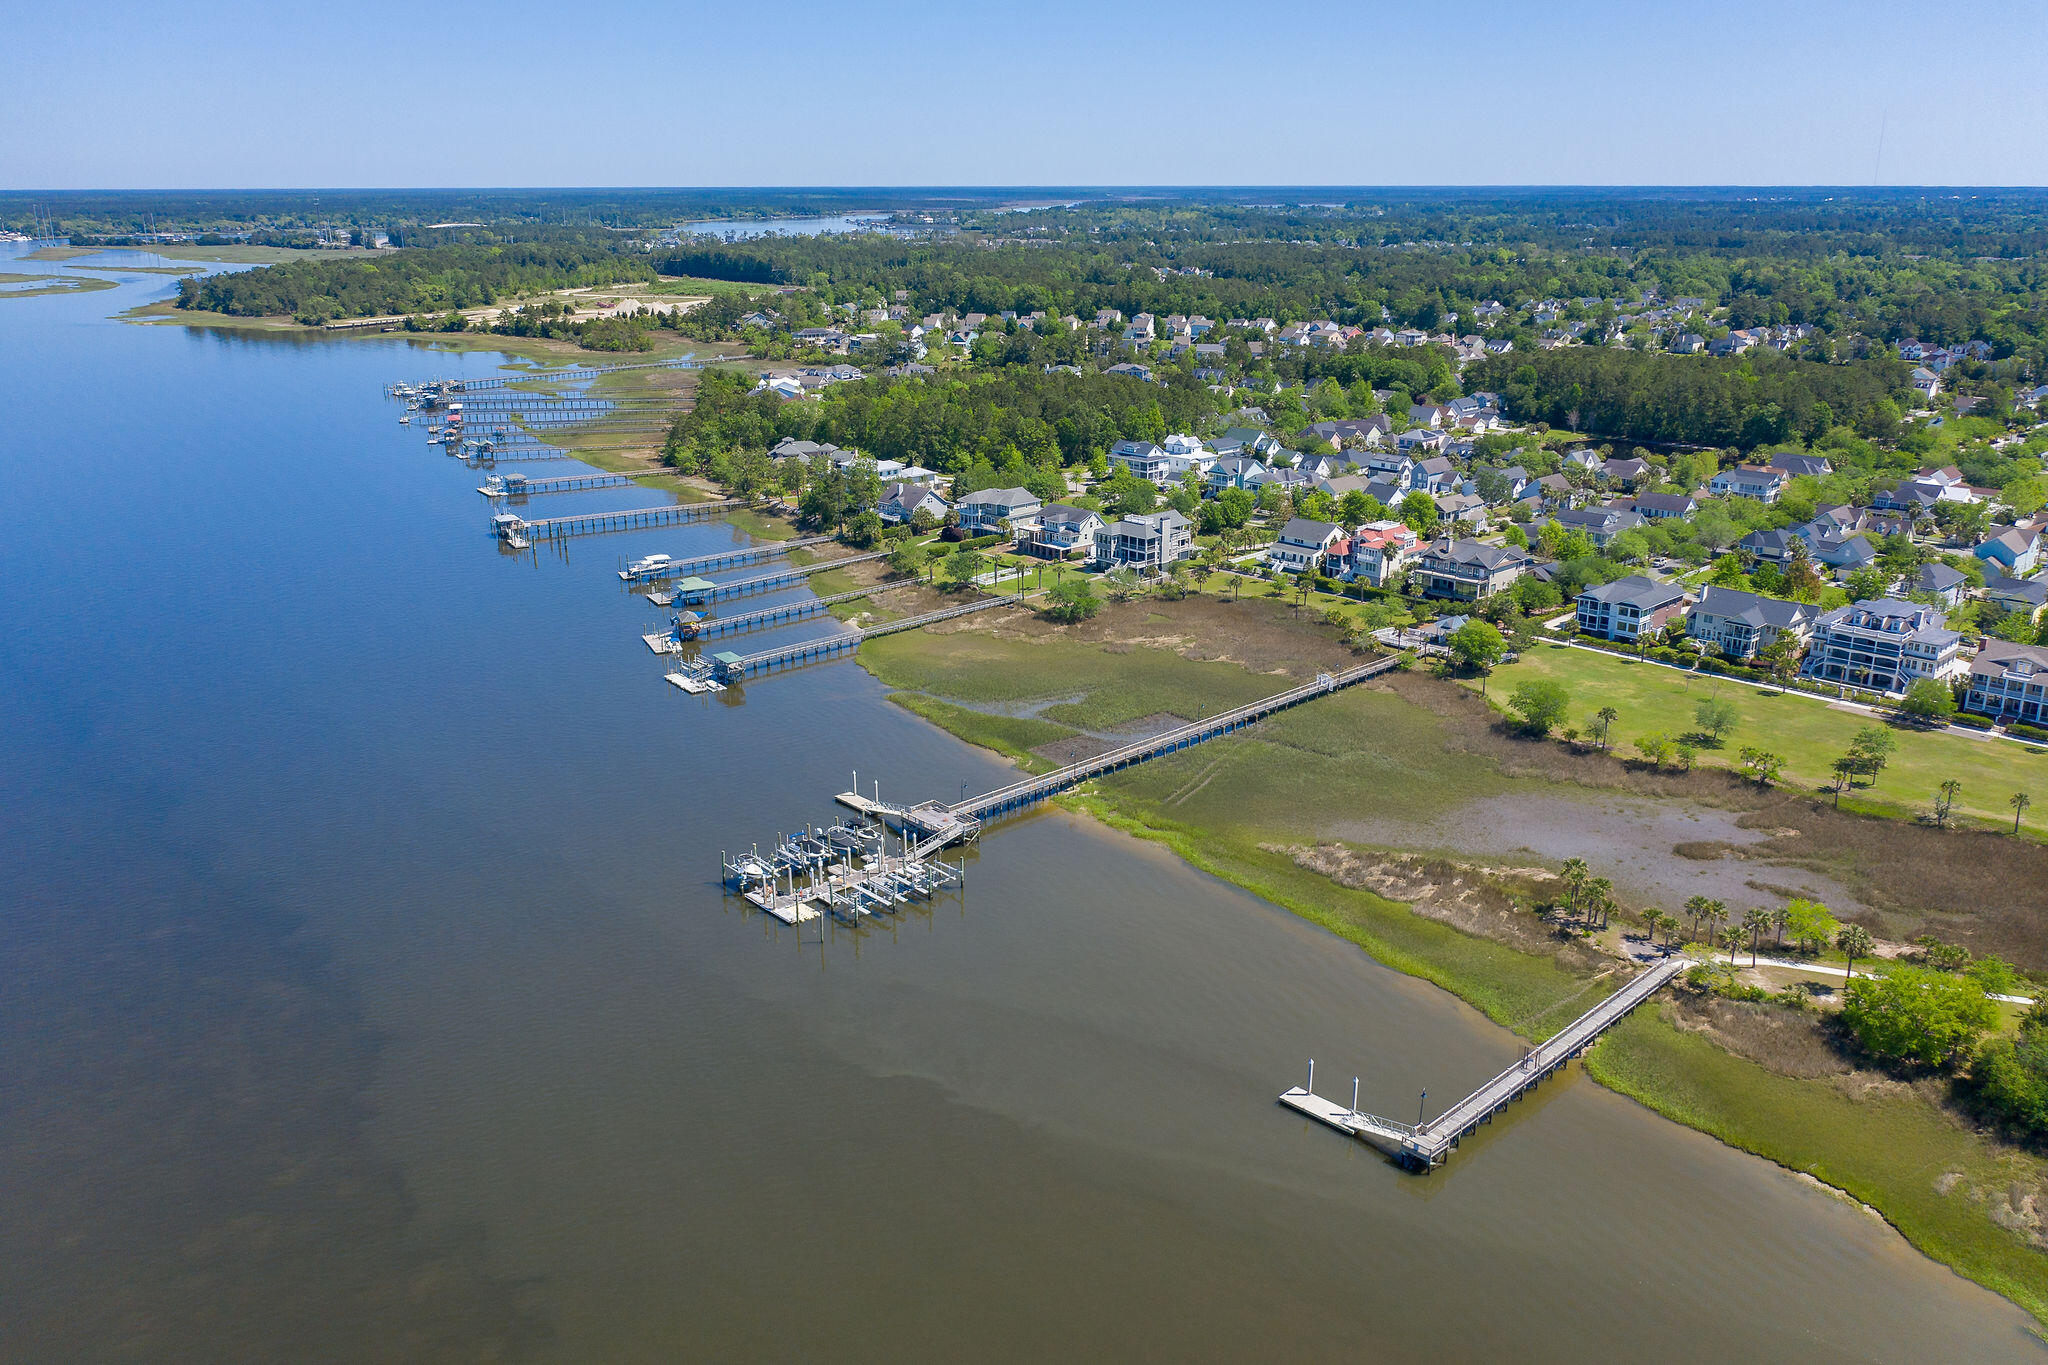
<point x="963" y="819"/>
<point x="646" y="571"/>
<point x="575" y="376"/>
<point x="733" y="667"/>
<point x="697" y="592"/>
<point x="777" y="615"/>
<point x="629" y="519"/>
<point x="1422" y="1146"/>
<point x="519" y="486"/>
<point x="1018" y="795"/>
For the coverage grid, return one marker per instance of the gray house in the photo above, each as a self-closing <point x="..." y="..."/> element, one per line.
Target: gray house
<point x="1741" y="623"/>
<point x="1147" y="543"/>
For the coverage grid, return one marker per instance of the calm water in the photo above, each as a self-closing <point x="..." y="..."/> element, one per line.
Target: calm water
<point x="787" y="227"/>
<point x="365" y="992"/>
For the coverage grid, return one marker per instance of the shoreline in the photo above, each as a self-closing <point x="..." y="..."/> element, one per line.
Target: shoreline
<point x="1873" y="1147"/>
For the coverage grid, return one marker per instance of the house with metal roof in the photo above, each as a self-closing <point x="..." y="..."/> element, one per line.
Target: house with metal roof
<point x="1740" y="623"/>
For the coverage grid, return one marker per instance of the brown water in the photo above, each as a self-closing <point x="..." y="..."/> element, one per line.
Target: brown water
<point x="365" y="992"/>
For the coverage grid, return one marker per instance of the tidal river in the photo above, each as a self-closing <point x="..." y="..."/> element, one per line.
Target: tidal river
<point x="366" y="991"/>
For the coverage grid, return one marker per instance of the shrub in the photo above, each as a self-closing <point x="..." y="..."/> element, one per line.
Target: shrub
<point x="1915" y="1015"/>
<point x="1973" y="722"/>
<point x="2028" y="731"/>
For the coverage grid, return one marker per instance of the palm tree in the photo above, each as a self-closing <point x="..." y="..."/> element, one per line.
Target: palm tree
<point x="1855" y="941"/>
<point x="2019" y="801"/>
<point x="1606" y="715"/>
<point x="1781" y="918"/>
<point x="1755" y="922"/>
<point x="1600" y="898"/>
<point x="1716" y="915"/>
<point x="1574" y="876"/>
<point x="1700" y="909"/>
<point x="1731" y="939"/>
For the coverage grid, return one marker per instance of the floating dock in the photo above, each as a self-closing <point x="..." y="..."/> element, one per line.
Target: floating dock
<point x="1428" y="1144"/>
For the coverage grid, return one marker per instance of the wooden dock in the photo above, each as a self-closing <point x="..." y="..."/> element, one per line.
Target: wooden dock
<point x="707" y="627"/>
<point x="724" y="559"/>
<point x="519" y="486"/>
<point x="575" y="376"/>
<point x="1428" y="1144"/>
<point x="731" y="668"/>
<point x="699" y="592"/>
<point x="1029" y="792"/>
<point x="630" y="519"/>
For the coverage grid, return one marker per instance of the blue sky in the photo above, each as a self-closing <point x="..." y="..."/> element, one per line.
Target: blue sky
<point x="607" y="92"/>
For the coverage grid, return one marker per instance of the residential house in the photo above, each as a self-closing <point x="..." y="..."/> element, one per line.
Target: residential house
<point x="1130" y="371"/>
<point x="2029" y="595"/>
<point x="902" y="501"/>
<point x="1148" y="543"/>
<point x="1886" y="645"/>
<point x="1427" y="415"/>
<point x="1467" y="570"/>
<point x="1461" y="508"/>
<point x="1842" y="551"/>
<point x="986" y="512"/>
<point x="2018" y="552"/>
<point x="1353" y="433"/>
<point x="1420" y="441"/>
<point x="1796" y="465"/>
<point x="1779" y="545"/>
<point x="2008" y="682"/>
<point x="1760" y="483"/>
<point x="1139" y="332"/>
<point x="1600" y="524"/>
<point x="1663" y="506"/>
<point x="1248" y="441"/>
<point x="1063" y="531"/>
<point x="1515" y="481"/>
<point x="1235" y="471"/>
<point x="1392" y="465"/>
<point x="1436" y="475"/>
<point x="1627" y="473"/>
<point x="1554" y="490"/>
<point x="1380" y="549"/>
<point x="1943" y="583"/>
<point x="1740" y="624"/>
<point x="1629" y="609"/>
<point x="1303" y="544"/>
<point x="1143" y="459"/>
<point x="1688" y="343"/>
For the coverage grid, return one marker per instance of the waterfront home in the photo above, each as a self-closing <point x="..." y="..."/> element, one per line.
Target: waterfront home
<point x="1885" y="645"/>
<point x="1741" y="623"/>
<point x="1063" y="531"/>
<point x="2016" y="551"/>
<point x="902" y="501"/>
<point x="1467" y="570"/>
<point x="1381" y="549"/>
<point x="1759" y="483"/>
<point x="1629" y="609"/>
<point x="2029" y="595"/>
<point x="1944" y="583"/>
<point x="1148" y="543"/>
<point x="1663" y="506"/>
<point x="1302" y="545"/>
<point x="985" y="513"/>
<point x="2008" y="682"/>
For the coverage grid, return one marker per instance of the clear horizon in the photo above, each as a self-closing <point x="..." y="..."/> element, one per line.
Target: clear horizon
<point x="111" y="94"/>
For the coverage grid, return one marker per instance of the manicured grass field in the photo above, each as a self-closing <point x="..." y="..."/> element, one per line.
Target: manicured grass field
<point x="1810" y="733"/>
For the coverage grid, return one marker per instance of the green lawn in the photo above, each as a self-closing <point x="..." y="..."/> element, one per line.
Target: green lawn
<point x="1808" y="731"/>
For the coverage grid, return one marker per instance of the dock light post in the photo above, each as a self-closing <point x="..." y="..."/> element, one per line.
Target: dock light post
<point x="1354" y="1097"/>
<point x="1311" y="1076"/>
<point x="1422" y="1109"/>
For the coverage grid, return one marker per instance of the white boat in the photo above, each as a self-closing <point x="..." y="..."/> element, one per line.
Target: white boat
<point x="405" y="421"/>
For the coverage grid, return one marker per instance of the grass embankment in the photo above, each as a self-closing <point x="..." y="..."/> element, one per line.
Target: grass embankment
<point x="1926" y="1174"/>
<point x="1809" y="732"/>
<point x="1236" y="808"/>
<point x="51" y="284"/>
